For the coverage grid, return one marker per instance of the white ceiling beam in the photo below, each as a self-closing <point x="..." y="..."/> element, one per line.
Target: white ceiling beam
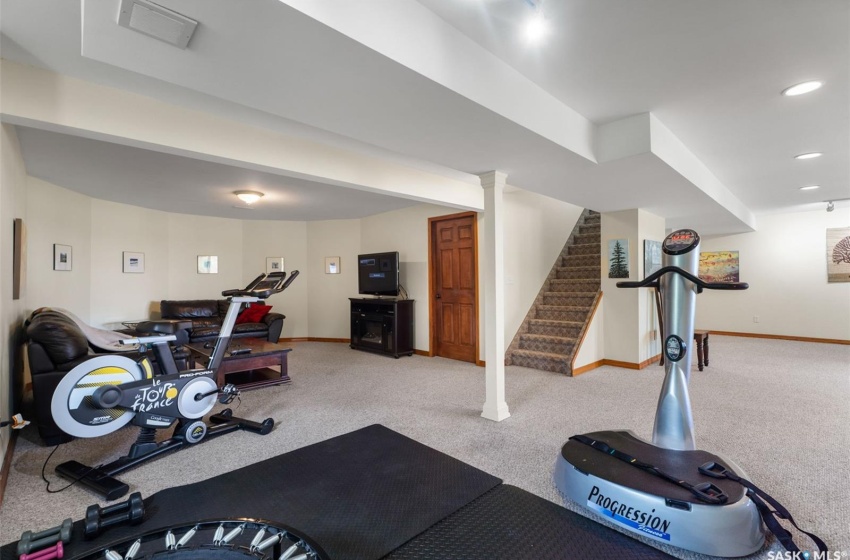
<point x="42" y="99"/>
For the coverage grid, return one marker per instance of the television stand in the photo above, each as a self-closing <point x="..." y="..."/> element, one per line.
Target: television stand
<point x="382" y="325"/>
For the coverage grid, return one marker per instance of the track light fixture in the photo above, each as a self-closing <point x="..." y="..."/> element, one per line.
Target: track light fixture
<point x="830" y="206"/>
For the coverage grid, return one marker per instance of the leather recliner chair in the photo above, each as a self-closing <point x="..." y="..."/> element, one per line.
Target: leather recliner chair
<point x="55" y="345"/>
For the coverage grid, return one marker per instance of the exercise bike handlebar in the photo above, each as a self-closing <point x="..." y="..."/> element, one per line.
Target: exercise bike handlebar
<point x="651" y="281"/>
<point x="266" y="290"/>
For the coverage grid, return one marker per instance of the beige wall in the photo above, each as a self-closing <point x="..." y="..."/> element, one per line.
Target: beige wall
<point x="13" y="205"/>
<point x="784" y="263"/>
<point x="262" y="239"/>
<point x="650" y="227"/>
<point x="329" y="315"/>
<point x="621" y="311"/>
<point x="114" y="295"/>
<point x="58" y="216"/>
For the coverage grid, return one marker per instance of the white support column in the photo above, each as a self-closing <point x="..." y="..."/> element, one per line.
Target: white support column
<point x="495" y="407"/>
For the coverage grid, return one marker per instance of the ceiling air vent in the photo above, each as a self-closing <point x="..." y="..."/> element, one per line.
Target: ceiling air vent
<point x="157" y="22"/>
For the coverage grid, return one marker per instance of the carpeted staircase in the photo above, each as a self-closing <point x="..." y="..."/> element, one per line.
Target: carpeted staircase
<point x="548" y="337"/>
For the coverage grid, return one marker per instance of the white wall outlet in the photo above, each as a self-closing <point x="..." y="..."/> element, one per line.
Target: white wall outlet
<point x="755" y="318"/>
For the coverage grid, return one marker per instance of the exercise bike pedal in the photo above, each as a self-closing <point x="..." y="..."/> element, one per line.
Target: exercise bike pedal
<point x="228" y="393"/>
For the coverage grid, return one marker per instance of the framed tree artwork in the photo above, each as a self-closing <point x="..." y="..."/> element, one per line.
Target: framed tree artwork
<point x="838" y="255"/>
<point x="618" y="258"/>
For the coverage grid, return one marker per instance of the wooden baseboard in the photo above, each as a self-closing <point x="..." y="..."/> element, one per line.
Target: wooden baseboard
<point x="588" y="367"/>
<point x="784" y="337"/>
<point x="616" y="363"/>
<point x="422" y="353"/>
<point x="7" y="464"/>
<point x="481" y="363"/>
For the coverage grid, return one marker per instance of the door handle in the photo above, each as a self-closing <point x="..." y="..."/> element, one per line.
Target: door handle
<point x="438" y="296"/>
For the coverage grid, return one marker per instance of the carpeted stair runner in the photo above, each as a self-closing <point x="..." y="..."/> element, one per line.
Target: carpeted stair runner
<point x="548" y="337"/>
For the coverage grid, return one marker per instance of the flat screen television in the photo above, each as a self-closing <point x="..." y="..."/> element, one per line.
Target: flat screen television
<point x="377" y="274"/>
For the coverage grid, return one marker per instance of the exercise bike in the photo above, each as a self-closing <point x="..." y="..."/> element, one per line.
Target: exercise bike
<point x="670" y="491"/>
<point x="106" y="393"/>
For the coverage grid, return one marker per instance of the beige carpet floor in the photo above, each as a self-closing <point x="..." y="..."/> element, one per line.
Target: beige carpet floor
<point x="780" y="408"/>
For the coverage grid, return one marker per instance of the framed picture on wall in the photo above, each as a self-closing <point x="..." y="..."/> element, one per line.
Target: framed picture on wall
<point x="207" y="264"/>
<point x="720" y="266"/>
<point x="331" y="265"/>
<point x="134" y="262"/>
<point x="274" y="264"/>
<point x="618" y="258"/>
<point x="651" y="256"/>
<point x="838" y="255"/>
<point x="62" y="257"/>
<point x="19" y="261"/>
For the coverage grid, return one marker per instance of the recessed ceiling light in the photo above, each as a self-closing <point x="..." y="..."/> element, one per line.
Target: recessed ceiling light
<point x="810" y="155"/>
<point x="536" y="28"/>
<point x="800" y="89"/>
<point x="809" y="187"/>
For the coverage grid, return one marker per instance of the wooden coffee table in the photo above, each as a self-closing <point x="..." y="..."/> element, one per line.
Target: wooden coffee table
<point x="249" y="370"/>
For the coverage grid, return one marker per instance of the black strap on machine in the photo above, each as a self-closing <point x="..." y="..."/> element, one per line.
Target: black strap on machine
<point x="761" y="499"/>
<point x="705" y="491"/>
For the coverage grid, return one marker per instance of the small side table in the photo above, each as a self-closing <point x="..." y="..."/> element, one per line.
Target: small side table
<point x="701" y="339"/>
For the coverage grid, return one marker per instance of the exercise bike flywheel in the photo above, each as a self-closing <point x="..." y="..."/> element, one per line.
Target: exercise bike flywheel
<point x="71" y="406"/>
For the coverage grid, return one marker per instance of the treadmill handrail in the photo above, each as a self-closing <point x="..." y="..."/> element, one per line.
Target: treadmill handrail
<point x="651" y="281"/>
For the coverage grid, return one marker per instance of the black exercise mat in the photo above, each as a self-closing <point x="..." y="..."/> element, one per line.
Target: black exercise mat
<point x="510" y="523"/>
<point x="359" y="495"/>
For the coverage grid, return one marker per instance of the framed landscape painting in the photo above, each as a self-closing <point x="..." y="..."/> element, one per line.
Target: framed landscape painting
<point x="719" y="266"/>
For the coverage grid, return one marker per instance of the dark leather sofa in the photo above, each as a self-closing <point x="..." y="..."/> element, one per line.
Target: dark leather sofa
<point x="207" y="316"/>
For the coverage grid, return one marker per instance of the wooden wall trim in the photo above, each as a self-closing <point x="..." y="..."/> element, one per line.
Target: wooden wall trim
<point x="588" y="367"/>
<point x="783" y="337"/>
<point x="596" y="302"/>
<point x="7" y="464"/>
<point x="616" y="363"/>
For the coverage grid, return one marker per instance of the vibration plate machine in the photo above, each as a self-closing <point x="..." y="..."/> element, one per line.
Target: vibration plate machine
<point x="668" y="490"/>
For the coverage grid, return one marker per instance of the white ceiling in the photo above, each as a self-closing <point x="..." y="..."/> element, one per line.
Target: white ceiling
<point x="187" y="186"/>
<point x="476" y="98"/>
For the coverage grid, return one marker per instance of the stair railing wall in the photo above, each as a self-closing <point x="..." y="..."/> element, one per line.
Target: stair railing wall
<point x="523" y="328"/>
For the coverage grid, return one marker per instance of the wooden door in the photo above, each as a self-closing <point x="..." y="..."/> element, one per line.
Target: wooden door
<point x="454" y="285"/>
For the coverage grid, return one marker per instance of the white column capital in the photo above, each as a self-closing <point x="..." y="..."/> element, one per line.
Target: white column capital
<point x="493" y="178"/>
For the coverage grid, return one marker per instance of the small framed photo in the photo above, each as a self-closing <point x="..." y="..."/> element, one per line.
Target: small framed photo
<point x="207" y="264"/>
<point x="62" y="257"/>
<point x="134" y="262"/>
<point x="274" y="264"/>
<point x="331" y="265"/>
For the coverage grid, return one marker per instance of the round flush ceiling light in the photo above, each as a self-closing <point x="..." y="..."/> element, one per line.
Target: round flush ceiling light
<point x="810" y="155"/>
<point x="248" y="197"/>
<point x="800" y="89"/>
<point x="536" y="28"/>
<point x="809" y="187"/>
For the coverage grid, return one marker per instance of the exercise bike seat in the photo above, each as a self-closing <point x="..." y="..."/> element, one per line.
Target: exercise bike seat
<point x="164" y="326"/>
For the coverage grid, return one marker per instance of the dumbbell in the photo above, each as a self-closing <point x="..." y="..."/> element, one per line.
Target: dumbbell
<point x="30" y="541"/>
<point x="55" y="551"/>
<point x="99" y="519"/>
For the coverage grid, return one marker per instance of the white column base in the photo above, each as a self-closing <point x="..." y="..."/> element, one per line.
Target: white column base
<point x="495" y="411"/>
